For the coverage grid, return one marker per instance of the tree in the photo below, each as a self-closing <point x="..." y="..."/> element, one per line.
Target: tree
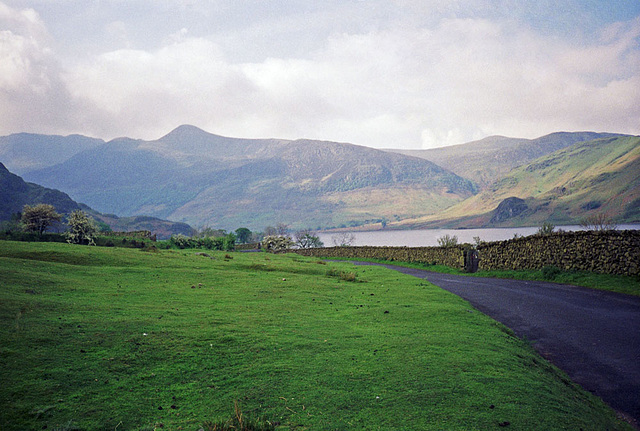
<point x="39" y="217"/>
<point x="343" y="239"/>
<point x="598" y="222"/>
<point x="306" y="238"/>
<point x="82" y="228"/>
<point x="282" y="229"/>
<point x="243" y="235"/>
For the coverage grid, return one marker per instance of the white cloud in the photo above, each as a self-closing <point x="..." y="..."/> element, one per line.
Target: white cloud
<point x="405" y="83"/>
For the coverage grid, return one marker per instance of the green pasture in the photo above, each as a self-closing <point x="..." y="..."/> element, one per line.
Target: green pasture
<point x="123" y="339"/>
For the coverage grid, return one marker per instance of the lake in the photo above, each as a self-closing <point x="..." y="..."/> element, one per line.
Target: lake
<point x="429" y="237"/>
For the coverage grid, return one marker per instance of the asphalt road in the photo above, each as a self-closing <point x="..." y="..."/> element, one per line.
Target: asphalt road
<point x="594" y="336"/>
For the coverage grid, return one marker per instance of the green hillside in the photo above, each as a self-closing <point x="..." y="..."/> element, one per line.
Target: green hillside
<point x="594" y="177"/>
<point x="487" y="160"/>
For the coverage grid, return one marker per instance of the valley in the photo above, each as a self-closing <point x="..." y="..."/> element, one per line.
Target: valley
<point x="196" y="178"/>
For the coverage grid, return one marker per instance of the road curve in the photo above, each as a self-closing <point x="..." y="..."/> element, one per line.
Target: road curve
<point x="593" y="335"/>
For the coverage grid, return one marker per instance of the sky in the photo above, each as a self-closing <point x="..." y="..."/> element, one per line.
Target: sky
<point x="407" y="74"/>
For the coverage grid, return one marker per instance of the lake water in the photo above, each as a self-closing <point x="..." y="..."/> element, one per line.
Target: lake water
<point x="429" y="237"/>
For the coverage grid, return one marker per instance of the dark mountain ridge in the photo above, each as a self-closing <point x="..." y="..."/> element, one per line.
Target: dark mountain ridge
<point x="15" y="193"/>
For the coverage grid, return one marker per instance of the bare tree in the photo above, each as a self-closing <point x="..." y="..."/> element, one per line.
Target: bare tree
<point x="282" y="229"/>
<point x="448" y="240"/>
<point x="598" y="222"/>
<point x="306" y="238"/>
<point x="343" y="239"/>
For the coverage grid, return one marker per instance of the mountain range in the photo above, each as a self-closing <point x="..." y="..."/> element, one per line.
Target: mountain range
<point x="203" y="179"/>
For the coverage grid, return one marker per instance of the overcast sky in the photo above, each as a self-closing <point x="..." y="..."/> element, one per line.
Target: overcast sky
<point x="380" y="73"/>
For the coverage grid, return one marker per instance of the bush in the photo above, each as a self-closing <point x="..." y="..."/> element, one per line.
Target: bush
<point x="546" y="229"/>
<point x="182" y="241"/>
<point x="223" y="243"/>
<point x="276" y="243"/>
<point x="550" y="272"/>
<point x="448" y="241"/>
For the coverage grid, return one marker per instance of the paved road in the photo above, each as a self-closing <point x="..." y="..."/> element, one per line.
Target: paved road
<point x="594" y="336"/>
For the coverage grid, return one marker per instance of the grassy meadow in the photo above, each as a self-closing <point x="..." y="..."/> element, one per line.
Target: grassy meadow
<point x="98" y="338"/>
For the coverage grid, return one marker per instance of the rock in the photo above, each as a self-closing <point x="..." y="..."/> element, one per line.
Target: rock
<point x="508" y="208"/>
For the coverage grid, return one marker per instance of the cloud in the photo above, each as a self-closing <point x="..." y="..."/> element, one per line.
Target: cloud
<point x="32" y="96"/>
<point x="407" y="83"/>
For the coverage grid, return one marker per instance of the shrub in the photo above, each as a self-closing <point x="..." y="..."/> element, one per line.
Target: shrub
<point x="546" y="229"/>
<point x="448" y="241"/>
<point x="182" y="241"/>
<point x="276" y="243"/>
<point x="550" y="272"/>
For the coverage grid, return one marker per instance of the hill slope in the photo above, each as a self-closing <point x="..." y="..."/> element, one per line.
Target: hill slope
<point x="595" y="177"/>
<point x="15" y="193"/>
<point x="24" y="152"/>
<point x="205" y="179"/>
<point x="489" y="159"/>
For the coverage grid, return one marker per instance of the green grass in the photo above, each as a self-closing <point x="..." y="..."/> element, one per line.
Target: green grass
<point x="629" y="285"/>
<point x="111" y="338"/>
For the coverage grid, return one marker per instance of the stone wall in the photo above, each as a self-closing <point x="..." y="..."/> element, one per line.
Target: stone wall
<point x="449" y="256"/>
<point x="609" y="252"/>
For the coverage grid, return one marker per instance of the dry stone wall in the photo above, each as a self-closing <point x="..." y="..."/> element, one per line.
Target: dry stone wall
<point x="449" y="256"/>
<point x="609" y="252"/>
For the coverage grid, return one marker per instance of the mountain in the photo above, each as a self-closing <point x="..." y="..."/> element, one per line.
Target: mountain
<point x="489" y="159"/>
<point x="24" y="152"/>
<point x="203" y="179"/>
<point x="15" y="193"/>
<point x="601" y="176"/>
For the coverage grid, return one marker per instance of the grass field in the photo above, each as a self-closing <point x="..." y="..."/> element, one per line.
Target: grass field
<point x="122" y="339"/>
<point x="629" y="285"/>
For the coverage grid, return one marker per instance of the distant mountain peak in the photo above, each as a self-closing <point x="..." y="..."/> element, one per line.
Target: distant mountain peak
<point x="185" y="131"/>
